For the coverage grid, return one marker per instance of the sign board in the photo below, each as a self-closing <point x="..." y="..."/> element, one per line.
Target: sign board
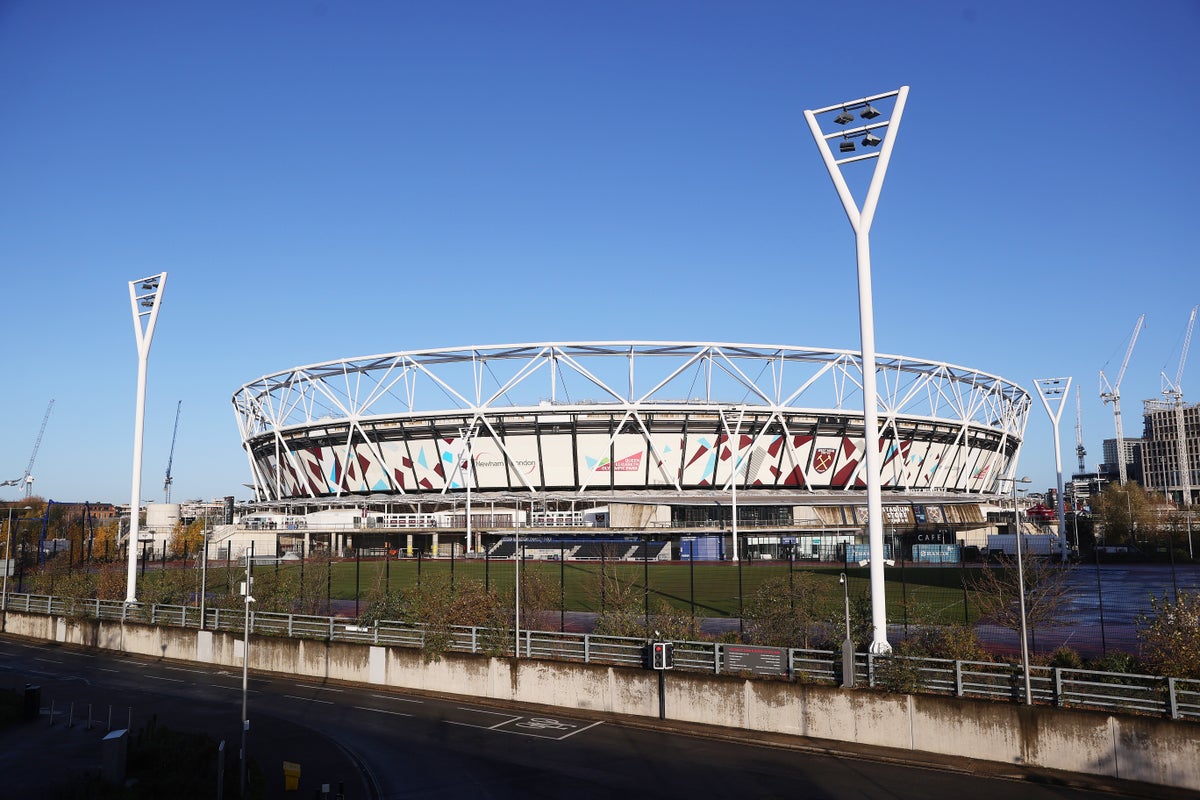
<point x="756" y="660"/>
<point x="6" y="570"/>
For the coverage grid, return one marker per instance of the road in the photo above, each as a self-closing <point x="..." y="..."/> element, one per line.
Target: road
<point x="387" y="745"/>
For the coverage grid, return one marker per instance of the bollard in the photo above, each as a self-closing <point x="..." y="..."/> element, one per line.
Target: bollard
<point x="71" y="716"/>
<point x="32" y="702"/>
<point x="51" y="713"/>
<point x="109" y="728"/>
<point x="291" y="776"/>
<point x="89" y="727"/>
<point x="115" y="749"/>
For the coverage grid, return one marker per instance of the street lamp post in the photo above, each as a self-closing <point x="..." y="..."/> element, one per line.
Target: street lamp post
<point x="848" y="676"/>
<point x="145" y="298"/>
<point x="877" y="138"/>
<point x="250" y="560"/>
<point x="517" y="578"/>
<point x="1021" y="590"/>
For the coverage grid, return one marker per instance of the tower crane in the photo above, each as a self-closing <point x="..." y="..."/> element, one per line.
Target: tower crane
<point x="25" y="482"/>
<point x="1174" y="390"/>
<point x="171" y="458"/>
<point x="1080" y="452"/>
<point x="1111" y="393"/>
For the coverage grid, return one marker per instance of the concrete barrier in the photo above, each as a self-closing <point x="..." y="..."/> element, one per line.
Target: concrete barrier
<point x="1128" y="747"/>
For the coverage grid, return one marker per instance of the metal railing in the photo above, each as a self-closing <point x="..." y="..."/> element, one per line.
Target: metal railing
<point x="1175" y="698"/>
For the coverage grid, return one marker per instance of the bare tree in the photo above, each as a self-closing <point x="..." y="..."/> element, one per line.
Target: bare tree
<point x="1046" y="592"/>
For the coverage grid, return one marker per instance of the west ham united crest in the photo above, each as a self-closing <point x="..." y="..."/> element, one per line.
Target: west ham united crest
<point x="823" y="458"/>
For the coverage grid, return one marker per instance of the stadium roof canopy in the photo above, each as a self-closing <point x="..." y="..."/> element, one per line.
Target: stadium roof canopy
<point x="639" y="417"/>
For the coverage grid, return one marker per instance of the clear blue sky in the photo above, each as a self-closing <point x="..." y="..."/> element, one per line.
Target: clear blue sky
<point x="325" y="180"/>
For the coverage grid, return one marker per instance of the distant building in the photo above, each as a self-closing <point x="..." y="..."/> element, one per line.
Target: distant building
<point x="1111" y="468"/>
<point x="1160" y="447"/>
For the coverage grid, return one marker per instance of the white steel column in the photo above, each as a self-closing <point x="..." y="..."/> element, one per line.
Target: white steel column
<point x="1057" y="389"/>
<point x="860" y="220"/>
<point x="145" y="298"/>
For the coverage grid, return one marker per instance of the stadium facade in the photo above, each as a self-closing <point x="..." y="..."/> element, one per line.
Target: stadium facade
<point x="632" y="435"/>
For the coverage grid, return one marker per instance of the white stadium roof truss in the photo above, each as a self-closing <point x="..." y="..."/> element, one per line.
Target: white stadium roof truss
<point x="765" y="390"/>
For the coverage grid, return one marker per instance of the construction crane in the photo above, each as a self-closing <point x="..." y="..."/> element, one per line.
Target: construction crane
<point x="1080" y="452"/>
<point x="25" y="482"/>
<point x="1112" y="394"/>
<point x="171" y="458"/>
<point x="1174" y="390"/>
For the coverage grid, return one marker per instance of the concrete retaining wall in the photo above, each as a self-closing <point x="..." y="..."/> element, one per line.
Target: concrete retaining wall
<point x="1128" y="747"/>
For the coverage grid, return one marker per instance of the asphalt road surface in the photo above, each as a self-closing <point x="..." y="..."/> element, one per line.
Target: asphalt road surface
<point x="377" y="744"/>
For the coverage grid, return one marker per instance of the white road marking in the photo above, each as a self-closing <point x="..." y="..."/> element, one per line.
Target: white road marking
<point x="397" y="699"/>
<point x="485" y="711"/>
<point x="383" y="711"/>
<point x="308" y="699"/>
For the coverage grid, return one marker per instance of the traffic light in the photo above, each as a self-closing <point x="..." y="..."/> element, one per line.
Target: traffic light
<point x="662" y="655"/>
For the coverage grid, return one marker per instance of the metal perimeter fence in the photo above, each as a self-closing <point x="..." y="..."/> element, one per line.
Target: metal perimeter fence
<point x="1096" y="614"/>
<point x="1174" y="698"/>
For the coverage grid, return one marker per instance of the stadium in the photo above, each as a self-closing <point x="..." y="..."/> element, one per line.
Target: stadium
<point x="683" y="442"/>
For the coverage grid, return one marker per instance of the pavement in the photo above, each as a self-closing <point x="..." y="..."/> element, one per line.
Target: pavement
<point x="60" y="748"/>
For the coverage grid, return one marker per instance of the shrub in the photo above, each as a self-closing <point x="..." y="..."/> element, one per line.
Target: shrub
<point x="1066" y="658"/>
<point x="1170" y="635"/>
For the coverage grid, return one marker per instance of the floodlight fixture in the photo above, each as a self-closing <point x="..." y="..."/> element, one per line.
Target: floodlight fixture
<point x="1053" y="392"/>
<point x="846" y="146"/>
<point x="861" y="218"/>
<point x="145" y="309"/>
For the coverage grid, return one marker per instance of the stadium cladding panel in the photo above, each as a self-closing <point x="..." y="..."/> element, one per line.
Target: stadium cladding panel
<point x="676" y="421"/>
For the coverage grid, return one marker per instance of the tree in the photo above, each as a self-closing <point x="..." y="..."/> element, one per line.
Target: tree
<point x="1046" y="593"/>
<point x="1128" y="513"/>
<point x="1169" y="634"/>
<point x="787" y="612"/>
<point x="187" y="540"/>
<point x="625" y="609"/>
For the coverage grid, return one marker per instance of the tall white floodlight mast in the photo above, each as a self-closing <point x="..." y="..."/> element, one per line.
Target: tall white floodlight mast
<point x="1112" y="394"/>
<point x="1056" y="390"/>
<point x="145" y="298"/>
<point x="877" y="138"/>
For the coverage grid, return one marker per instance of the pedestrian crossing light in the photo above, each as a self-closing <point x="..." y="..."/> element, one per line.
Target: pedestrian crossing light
<point x="662" y="655"/>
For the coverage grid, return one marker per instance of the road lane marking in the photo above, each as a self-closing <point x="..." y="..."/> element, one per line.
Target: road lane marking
<point x="581" y="730"/>
<point x="160" y="678"/>
<point x="193" y="671"/>
<point x="318" y="688"/>
<point x="383" y="711"/>
<point x="398" y="699"/>
<point x="485" y="711"/>
<point x="308" y="699"/>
